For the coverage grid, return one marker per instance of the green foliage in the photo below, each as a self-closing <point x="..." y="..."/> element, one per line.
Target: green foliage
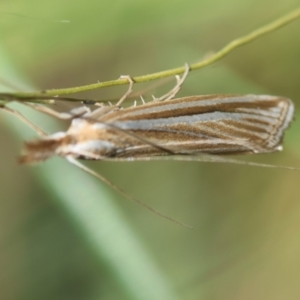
<point x="64" y="235"/>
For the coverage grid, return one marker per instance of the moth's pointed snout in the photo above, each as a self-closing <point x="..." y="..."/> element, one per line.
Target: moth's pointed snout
<point x="37" y="151"/>
<point x="40" y="150"/>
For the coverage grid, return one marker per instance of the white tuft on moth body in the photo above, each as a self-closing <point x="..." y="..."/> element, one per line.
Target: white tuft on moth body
<point x="81" y="140"/>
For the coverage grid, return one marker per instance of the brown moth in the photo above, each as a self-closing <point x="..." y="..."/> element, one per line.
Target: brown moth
<point x="212" y="124"/>
<point x="186" y="129"/>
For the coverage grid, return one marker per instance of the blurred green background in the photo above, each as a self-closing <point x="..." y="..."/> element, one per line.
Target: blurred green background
<point x="64" y="235"/>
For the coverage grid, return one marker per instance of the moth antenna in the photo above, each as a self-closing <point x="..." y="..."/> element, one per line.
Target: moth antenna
<point x="73" y="113"/>
<point x="206" y="158"/>
<point x="213" y="159"/>
<point x="220" y="159"/>
<point x="121" y="191"/>
<point x="21" y="117"/>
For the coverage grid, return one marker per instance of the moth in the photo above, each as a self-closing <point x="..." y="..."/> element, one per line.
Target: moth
<point x="211" y="124"/>
<point x="165" y="128"/>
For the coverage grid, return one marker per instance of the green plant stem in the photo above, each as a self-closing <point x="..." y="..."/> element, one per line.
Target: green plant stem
<point x="280" y="22"/>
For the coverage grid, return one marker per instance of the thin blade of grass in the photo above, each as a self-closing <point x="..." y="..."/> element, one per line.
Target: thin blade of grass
<point x="88" y="204"/>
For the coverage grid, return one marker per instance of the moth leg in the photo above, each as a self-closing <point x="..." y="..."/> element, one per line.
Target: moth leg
<point x="103" y="109"/>
<point x="21" y="117"/>
<point x="73" y="113"/>
<point x="121" y="191"/>
<point x="130" y="88"/>
<point x="83" y="110"/>
<point x="171" y="94"/>
<point x="142" y="99"/>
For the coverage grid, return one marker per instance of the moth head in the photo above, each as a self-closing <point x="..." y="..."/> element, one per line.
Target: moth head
<point x="40" y="150"/>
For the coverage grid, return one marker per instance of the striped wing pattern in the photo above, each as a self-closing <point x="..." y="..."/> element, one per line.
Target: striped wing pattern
<point x="215" y="124"/>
